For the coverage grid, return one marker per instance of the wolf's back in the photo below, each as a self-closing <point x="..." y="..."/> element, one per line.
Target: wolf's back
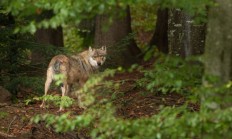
<point x="77" y="64"/>
<point x="59" y="63"/>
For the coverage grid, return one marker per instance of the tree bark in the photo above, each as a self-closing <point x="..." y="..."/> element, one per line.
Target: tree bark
<point x="50" y="36"/>
<point x="160" y="36"/>
<point x="121" y="47"/>
<point x="185" y="38"/>
<point x="46" y="37"/>
<point x="218" y="52"/>
<point x="87" y="29"/>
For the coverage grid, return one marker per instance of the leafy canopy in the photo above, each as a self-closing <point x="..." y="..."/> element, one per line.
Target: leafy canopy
<point x="73" y="11"/>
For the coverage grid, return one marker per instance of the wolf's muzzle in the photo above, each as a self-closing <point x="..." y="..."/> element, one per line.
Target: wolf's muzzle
<point x="99" y="63"/>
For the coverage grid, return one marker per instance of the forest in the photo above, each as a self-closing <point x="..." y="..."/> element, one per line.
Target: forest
<point x="116" y="69"/>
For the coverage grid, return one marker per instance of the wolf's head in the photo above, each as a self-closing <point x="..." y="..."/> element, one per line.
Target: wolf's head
<point x="97" y="56"/>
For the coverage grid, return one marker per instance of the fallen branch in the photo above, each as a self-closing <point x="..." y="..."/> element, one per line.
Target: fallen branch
<point x="11" y="124"/>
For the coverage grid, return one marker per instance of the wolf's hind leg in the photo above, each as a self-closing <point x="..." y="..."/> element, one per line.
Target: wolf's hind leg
<point x="46" y="86"/>
<point x="65" y="88"/>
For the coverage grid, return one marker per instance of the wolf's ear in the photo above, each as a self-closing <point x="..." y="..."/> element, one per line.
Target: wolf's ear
<point x="90" y="49"/>
<point x="103" y="48"/>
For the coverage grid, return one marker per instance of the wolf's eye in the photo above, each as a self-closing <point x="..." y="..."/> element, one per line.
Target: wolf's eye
<point x="94" y="57"/>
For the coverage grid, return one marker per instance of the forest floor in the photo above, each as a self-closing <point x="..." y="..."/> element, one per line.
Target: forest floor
<point x="15" y="118"/>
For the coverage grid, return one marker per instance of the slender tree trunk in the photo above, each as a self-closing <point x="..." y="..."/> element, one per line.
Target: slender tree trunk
<point x="160" y="36"/>
<point x="218" y="53"/>
<point x="121" y="47"/>
<point x="185" y="38"/>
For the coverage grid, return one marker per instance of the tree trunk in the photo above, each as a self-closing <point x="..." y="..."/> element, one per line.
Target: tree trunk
<point x="121" y="47"/>
<point x="160" y="36"/>
<point x="46" y="37"/>
<point x="218" y="53"/>
<point x="50" y="36"/>
<point x="87" y="29"/>
<point x="13" y="52"/>
<point x="185" y="38"/>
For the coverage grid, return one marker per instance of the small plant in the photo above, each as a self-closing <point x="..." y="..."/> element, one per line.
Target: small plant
<point x="172" y="74"/>
<point x="64" y="101"/>
<point x="3" y="114"/>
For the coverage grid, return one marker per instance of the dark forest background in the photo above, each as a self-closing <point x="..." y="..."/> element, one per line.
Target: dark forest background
<point x="162" y="50"/>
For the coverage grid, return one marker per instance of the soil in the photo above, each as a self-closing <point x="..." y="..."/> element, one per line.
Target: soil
<point x="134" y="103"/>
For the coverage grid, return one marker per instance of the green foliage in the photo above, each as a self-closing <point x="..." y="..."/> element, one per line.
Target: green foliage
<point x="17" y="69"/>
<point x="64" y="11"/>
<point x="64" y="122"/>
<point x="171" y="122"/>
<point x="150" y="53"/>
<point x="71" y="11"/>
<point x="64" y="101"/>
<point x="143" y="22"/>
<point x="72" y="40"/>
<point x="88" y="90"/>
<point x="167" y="125"/>
<point x="193" y="7"/>
<point x="58" y="101"/>
<point x="15" y="56"/>
<point x="13" y="52"/>
<point x="170" y="74"/>
<point x="143" y="17"/>
<point x="59" y="79"/>
<point x="214" y="98"/>
<point x="173" y="74"/>
<point x="3" y="114"/>
<point x="35" y="83"/>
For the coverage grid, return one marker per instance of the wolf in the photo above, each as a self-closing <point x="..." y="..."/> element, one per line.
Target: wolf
<point x="75" y="69"/>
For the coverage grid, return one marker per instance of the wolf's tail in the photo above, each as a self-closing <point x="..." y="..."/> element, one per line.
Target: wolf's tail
<point x="56" y="67"/>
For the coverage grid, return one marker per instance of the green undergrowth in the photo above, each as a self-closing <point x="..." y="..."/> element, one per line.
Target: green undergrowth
<point x="173" y="74"/>
<point x="212" y="120"/>
<point x="37" y="83"/>
<point x="3" y="114"/>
